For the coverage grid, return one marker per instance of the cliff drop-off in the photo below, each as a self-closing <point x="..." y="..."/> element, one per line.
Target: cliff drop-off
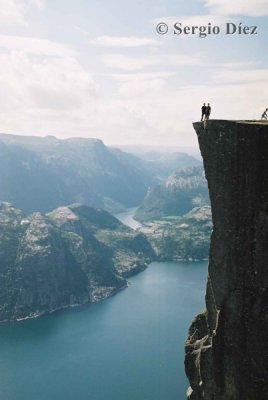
<point x="227" y="346"/>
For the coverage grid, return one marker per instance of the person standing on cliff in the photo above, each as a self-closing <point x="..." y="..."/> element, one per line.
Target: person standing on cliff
<point x="203" y="110"/>
<point x="208" y="111"/>
<point x="265" y="114"/>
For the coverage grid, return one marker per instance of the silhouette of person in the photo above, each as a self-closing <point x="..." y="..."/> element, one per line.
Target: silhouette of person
<point x="203" y="110"/>
<point x="208" y="111"/>
<point x="265" y="114"/>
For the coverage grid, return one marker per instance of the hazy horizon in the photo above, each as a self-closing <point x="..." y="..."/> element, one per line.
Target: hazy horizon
<point x="130" y="148"/>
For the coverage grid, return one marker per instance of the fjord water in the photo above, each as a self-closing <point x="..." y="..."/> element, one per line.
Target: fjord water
<point x="127" y="218"/>
<point x="128" y="347"/>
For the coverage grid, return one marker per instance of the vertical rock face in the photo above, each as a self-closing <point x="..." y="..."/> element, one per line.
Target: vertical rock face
<point x="227" y="346"/>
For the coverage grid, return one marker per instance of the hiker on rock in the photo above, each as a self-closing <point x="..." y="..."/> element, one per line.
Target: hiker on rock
<point x="265" y="114"/>
<point x="203" y="110"/>
<point x="208" y="111"/>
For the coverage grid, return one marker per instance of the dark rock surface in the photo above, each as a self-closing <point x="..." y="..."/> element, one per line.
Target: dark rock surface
<point x="71" y="256"/>
<point x="227" y="346"/>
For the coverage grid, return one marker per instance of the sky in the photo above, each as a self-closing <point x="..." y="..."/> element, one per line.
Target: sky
<point x="99" y="68"/>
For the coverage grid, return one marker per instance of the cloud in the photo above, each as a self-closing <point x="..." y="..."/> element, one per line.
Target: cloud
<point x="34" y="88"/>
<point x="58" y="96"/>
<point x="14" y="11"/>
<point x="124" y="41"/>
<point x="256" y="8"/>
<point x="135" y="88"/>
<point x="123" y="62"/>
<point x="193" y="20"/>
<point x="234" y="65"/>
<point x="245" y="100"/>
<point x="46" y="90"/>
<point x="37" y="3"/>
<point x="140" y="76"/>
<point x="34" y="46"/>
<point x="253" y="75"/>
<point x="10" y="13"/>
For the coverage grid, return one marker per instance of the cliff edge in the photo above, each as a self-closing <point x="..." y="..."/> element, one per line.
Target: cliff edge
<point x="227" y="346"/>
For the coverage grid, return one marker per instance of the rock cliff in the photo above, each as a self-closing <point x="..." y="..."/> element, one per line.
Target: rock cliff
<point x="227" y="346"/>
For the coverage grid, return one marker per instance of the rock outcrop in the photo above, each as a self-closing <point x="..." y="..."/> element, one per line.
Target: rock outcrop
<point x="71" y="256"/>
<point x="181" y="238"/>
<point x="227" y="345"/>
<point x="179" y="194"/>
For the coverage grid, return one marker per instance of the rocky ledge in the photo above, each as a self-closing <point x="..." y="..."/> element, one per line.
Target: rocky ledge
<point x="227" y="345"/>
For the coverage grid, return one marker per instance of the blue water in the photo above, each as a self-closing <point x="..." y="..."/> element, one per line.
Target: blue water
<point x="127" y="218"/>
<point x="128" y="347"/>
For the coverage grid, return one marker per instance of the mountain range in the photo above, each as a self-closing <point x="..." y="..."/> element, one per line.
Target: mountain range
<point x="40" y="174"/>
